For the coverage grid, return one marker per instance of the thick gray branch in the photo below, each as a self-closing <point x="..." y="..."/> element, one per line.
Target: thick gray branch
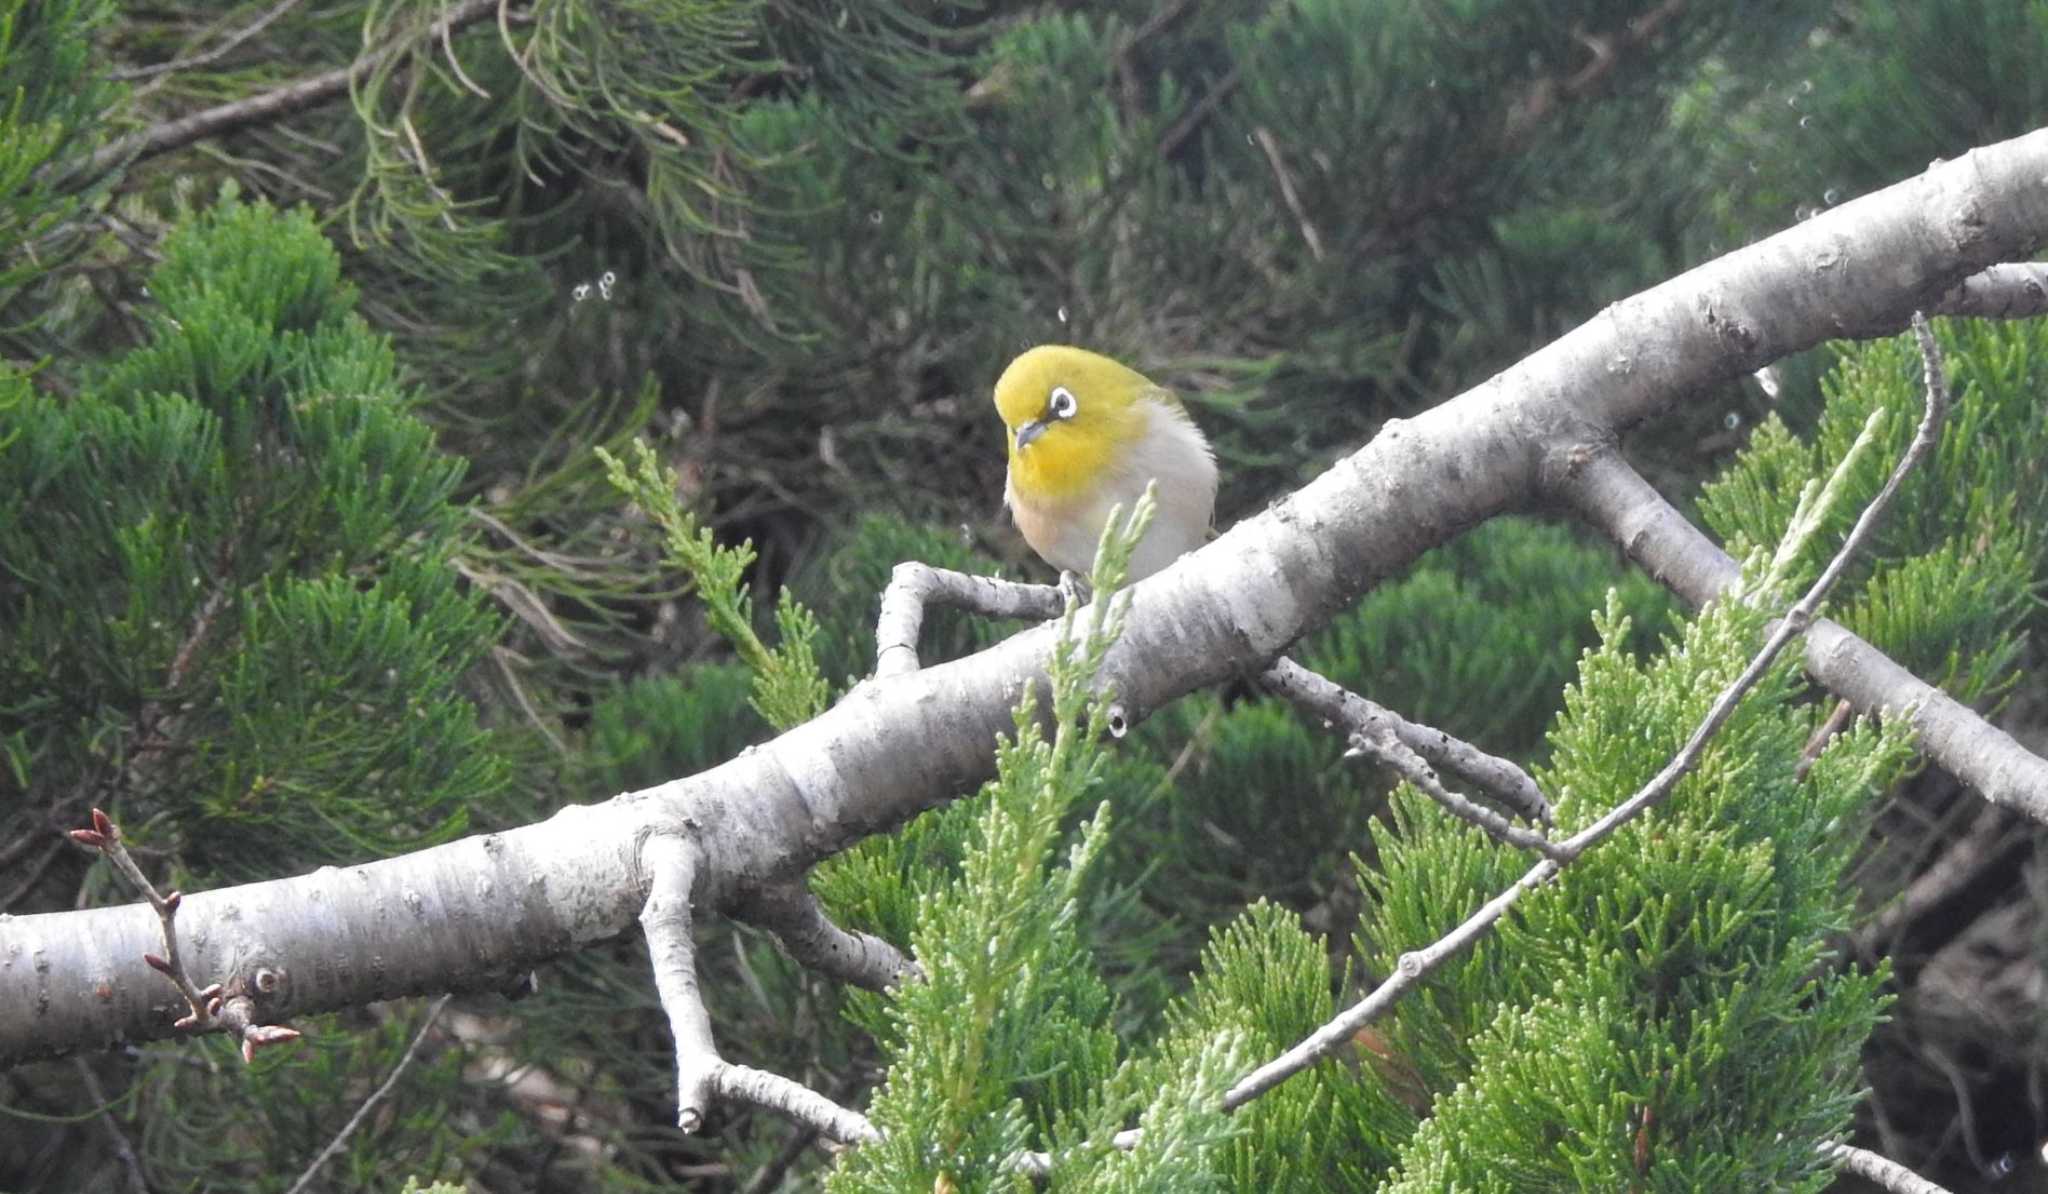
<point x="458" y="914"/>
<point x="1415" y="965"/>
<point x="1614" y="497"/>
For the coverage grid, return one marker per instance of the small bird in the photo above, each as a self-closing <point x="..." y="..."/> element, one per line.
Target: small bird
<point x="1086" y="434"/>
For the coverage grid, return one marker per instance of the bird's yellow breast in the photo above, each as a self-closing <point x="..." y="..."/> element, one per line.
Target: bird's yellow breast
<point x="1063" y="465"/>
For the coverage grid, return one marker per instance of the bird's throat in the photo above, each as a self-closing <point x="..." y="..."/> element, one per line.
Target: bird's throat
<point x="1061" y="467"/>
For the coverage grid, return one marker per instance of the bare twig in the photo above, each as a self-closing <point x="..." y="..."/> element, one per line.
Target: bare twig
<point x="384" y="1088"/>
<point x="124" y="1150"/>
<point x="913" y="586"/>
<point x="1837" y="719"/>
<point x="309" y="92"/>
<point x="1320" y="697"/>
<point x="1988" y="839"/>
<point x="1607" y="51"/>
<point x="1965" y="1123"/>
<point x="1885" y="1172"/>
<point x="212" y="1007"/>
<point x="131" y="73"/>
<point x="12" y="852"/>
<point x="1205" y="107"/>
<point x="52" y="848"/>
<point x="1271" y="148"/>
<point x="769" y="1176"/>
<point x="1414" y="965"/>
<point x="1368" y="735"/>
<point x="701" y="1074"/>
<point x="793" y="914"/>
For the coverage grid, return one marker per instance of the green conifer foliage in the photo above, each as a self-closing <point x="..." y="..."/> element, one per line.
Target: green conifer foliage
<point x="52" y="97"/>
<point x="1950" y="586"/>
<point x="1007" y="1032"/>
<point x="233" y="618"/>
<point x="1659" y="1016"/>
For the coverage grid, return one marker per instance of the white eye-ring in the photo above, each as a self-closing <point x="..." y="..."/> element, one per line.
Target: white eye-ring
<point x="1062" y="404"/>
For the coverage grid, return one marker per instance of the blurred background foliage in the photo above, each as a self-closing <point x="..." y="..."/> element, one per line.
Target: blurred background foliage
<point x="308" y="557"/>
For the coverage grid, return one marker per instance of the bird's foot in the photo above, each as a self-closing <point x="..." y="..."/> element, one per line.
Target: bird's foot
<point x="1073" y="589"/>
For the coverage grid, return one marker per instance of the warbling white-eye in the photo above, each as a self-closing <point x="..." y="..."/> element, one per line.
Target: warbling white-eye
<point x="1085" y="435"/>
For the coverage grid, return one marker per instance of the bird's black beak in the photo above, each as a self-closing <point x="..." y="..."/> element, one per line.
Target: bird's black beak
<point x="1030" y="431"/>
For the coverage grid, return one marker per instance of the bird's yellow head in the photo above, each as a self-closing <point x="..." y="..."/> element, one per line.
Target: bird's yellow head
<point x="1070" y="414"/>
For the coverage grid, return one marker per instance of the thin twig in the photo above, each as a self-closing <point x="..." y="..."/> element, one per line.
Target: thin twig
<point x="798" y="920"/>
<point x="124" y="1150"/>
<point x="769" y="1176"/>
<point x="1885" y="1172"/>
<point x="701" y="1074"/>
<point x="355" y="1121"/>
<point x="1185" y="127"/>
<point x="914" y="586"/>
<point x="309" y="92"/>
<point x="1966" y="1107"/>
<point x="1416" y="964"/>
<point x="1369" y="736"/>
<point x="212" y="1007"/>
<point x="129" y="74"/>
<point x="1271" y="148"/>
<point x="1324" y="698"/>
<point x="52" y="849"/>
<point x="1837" y="719"/>
<point x="1988" y="840"/>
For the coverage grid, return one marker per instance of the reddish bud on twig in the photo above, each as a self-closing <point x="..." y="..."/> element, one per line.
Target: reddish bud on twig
<point x="106" y="826"/>
<point x="157" y="964"/>
<point x="172" y="901"/>
<point x="90" y="838"/>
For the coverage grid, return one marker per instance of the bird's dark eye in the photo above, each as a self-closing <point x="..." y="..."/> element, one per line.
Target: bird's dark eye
<point x="1062" y="404"/>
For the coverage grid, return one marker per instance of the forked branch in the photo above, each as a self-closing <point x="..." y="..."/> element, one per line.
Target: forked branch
<point x="1416" y="964"/>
